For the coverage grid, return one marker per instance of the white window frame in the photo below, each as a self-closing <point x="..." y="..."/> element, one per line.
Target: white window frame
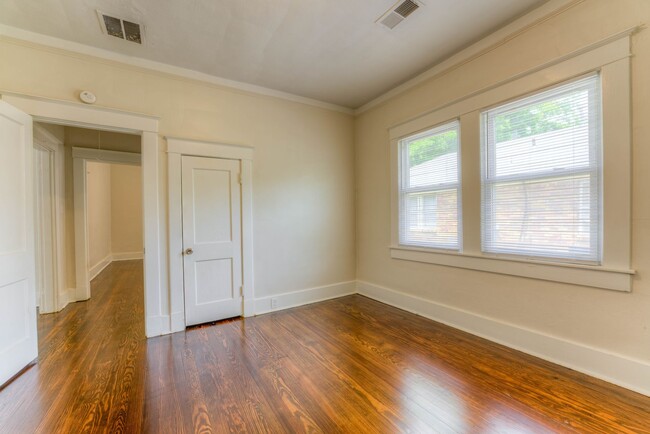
<point x="609" y="57"/>
<point x="594" y="170"/>
<point x="405" y="191"/>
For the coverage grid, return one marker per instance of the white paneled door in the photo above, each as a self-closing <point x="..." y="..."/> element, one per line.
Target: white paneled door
<point x="18" y="339"/>
<point x="212" y="266"/>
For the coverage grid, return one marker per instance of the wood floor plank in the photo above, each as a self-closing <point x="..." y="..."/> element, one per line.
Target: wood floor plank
<point x="345" y="365"/>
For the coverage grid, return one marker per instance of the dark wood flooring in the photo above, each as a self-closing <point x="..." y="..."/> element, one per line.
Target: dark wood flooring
<point x="346" y="365"/>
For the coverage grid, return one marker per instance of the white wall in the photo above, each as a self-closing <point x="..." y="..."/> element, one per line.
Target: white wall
<point x="98" y="184"/>
<point x="609" y="321"/>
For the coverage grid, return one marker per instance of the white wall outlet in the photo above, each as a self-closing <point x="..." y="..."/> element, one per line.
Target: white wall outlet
<point x="274" y="303"/>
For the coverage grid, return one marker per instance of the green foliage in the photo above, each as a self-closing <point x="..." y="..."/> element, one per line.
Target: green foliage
<point x="428" y="148"/>
<point x="543" y="117"/>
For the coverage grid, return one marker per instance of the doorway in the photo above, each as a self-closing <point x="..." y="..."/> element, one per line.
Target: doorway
<point x="108" y="202"/>
<point x="88" y="209"/>
<point x="17" y="272"/>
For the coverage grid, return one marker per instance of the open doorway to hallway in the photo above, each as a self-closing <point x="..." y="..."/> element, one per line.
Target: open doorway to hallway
<point x="85" y="221"/>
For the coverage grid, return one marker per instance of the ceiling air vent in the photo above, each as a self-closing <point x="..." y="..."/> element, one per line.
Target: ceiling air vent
<point x="398" y="13"/>
<point x="123" y="29"/>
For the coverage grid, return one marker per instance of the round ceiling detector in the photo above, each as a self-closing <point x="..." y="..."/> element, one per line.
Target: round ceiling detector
<point x="87" y="96"/>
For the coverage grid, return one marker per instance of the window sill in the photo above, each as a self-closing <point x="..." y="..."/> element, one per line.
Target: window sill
<point x="586" y="275"/>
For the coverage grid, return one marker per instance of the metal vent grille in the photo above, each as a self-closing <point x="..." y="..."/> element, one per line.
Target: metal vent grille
<point x="398" y="13"/>
<point x="123" y="29"/>
<point x="406" y="8"/>
<point x="132" y="32"/>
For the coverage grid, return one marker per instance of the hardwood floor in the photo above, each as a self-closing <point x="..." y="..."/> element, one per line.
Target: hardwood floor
<point x="346" y="365"/>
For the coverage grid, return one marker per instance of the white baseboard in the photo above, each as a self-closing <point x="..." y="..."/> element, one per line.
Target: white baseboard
<point x="99" y="267"/>
<point x="157" y="325"/>
<point x="65" y="298"/>
<point x="614" y="368"/>
<point x="177" y="322"/>
<point x="304" y="296"/>
<point x="127" y="256"/>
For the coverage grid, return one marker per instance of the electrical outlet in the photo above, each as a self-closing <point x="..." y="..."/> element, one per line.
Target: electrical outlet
<point x="274" y="303"/>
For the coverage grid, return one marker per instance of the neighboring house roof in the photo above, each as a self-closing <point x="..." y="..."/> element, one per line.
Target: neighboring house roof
<point x="541" y="152"/>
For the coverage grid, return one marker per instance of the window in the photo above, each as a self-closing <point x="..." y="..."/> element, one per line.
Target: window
<point x="429" y="188"/>
<point x="541" y="174"/>
<point x="545" y="182"/>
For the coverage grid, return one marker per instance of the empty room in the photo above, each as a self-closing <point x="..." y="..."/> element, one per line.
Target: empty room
<point x="349" y="216"/>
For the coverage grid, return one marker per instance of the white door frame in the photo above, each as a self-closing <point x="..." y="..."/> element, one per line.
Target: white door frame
<point x="176" y="148"/>
<point x="80" y="158"/>
<point x="47" y="141"/>
<point x="157" y="320"/>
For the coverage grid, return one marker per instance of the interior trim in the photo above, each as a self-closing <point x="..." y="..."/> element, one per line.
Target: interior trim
<point x="10" y="33"/>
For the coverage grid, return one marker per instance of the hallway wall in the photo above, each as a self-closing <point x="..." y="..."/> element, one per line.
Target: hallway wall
<point x="98" y="185"/>
<point x="126" y="211"/>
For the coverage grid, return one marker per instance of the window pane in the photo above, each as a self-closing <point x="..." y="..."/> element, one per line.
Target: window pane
<point x="541" y="174"/>
<point x="433" y="159"/>
<point x="432" y="219"/>
<point x="429" y="174"/>
<point x="543" y="217"/>
<point x="545" y="133"/>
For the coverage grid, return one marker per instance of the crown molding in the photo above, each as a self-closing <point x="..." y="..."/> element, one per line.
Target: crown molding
<point x="13" y="33"/>
<point x="489" y="43"/>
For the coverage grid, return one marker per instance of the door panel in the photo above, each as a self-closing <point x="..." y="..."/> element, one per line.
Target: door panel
<point x="212" y="230"/>
<point x="214" y="278"/>
<point x="18" y="339"/>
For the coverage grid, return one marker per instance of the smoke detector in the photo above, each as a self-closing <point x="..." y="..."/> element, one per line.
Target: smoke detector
<point x="121" y="28"/>
<point x="398" y="13"/>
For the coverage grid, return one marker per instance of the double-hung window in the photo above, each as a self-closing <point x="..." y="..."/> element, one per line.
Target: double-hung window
<point x="429" y="193"/>
<point x="546" y="175"/>
<point x="541" y="174"/>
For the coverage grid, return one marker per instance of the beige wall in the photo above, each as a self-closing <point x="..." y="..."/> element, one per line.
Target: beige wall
<point x="57" y="131"/>
<point x="613" y="321"/>
<point x="126" y="209"/>
<point x="114" y="211"/>
<point x="303" y="180"/>
<point x="107" y="140"/>
<point x="98" y="185"/>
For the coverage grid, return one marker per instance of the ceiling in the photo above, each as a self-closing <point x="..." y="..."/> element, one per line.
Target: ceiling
<point x="329" y="50"/>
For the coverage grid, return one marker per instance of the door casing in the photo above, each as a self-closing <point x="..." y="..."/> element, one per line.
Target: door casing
<point x="156" y="290"/>
<point x="176" y="148"/>
<point x="59" y="296"/>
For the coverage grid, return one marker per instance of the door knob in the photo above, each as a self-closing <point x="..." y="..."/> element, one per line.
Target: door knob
<point x="188" y="251"/>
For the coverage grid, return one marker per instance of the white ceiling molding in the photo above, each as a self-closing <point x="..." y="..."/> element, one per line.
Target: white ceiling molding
<point x="151" y="66"/>
<point x="535" y="17"/>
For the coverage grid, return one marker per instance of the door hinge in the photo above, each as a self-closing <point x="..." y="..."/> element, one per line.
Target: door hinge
<point x="241" y="291"/>
<point x="239" y="178"/>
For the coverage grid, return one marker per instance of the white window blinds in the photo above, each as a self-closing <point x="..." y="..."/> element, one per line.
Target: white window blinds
<point x="541" y="174"/>
<point x="429" y="200"/>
